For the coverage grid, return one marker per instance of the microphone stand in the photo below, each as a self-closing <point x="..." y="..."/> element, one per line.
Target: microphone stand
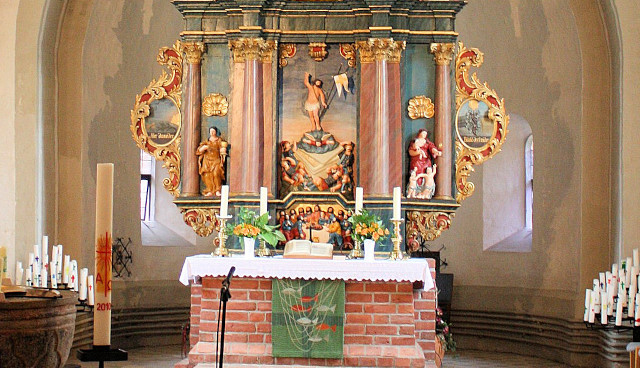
<point x="225" y="295"/>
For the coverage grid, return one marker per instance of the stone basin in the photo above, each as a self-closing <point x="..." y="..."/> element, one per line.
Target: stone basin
<point x="36" y="332"/>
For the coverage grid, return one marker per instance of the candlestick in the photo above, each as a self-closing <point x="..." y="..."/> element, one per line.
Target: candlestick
<point x="397" y="195"/>
<point x="221" y="250"/>
<point x="356" y="252"/>
<point x="224" y="201"/>
<point x="359" y="199"/>
<point x="84" y="273"/>
<point x="396" y="239"/>
<point x="263" y="200"/>
<point x="103" y="254"/>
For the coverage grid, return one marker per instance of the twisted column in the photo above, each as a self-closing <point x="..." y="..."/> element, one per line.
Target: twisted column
<point x="443" y="54"/>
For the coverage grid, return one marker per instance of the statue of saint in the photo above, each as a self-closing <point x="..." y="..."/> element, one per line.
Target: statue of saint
<point x="421" y="153"/>
<point x="315" y="97"/>
<point x="211" y="156"/>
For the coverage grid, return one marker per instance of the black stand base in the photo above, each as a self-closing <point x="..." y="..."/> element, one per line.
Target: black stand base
<point x="102" y="354"/>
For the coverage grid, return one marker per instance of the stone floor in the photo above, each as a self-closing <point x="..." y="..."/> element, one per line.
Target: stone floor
<point x="167" y="356"/>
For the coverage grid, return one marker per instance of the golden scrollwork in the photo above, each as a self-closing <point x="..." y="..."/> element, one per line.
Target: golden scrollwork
<point x="420" y="107"/>
<point x="202" y="220"/>
<point x="318" y="50"/>
<point x="193" y="51"/>
<point x="286" y="50"/>
<point x="165" y="87"/>
<point x="215" y="104"/>
<point x="348" y="51"/>
<point x="252" y="49"/>
<point x="427" y="226"/>
<point x="442" y="52"/>
<point x="377" y="49"/>
<point x="470" y="91"/>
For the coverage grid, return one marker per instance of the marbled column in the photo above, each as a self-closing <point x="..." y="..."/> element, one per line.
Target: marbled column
<point x="443" y="53"/>
<point x="380" y="124"/>
<point x="247" y="125"/>
<point x="191" y="118"/>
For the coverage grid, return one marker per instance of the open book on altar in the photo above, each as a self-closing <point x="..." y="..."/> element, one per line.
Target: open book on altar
<point x="298" y="248"/>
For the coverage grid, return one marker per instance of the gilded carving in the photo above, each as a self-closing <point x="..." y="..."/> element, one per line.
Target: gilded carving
<point x="244" y="49"/>
<point x="166" y="88"/>
<point x="348" y="51"/>
<point x="286" y="50"/>
<point x="202" y="220"/>
<point x="478" y="143"/>
<point x="420" y="107"/>
<point x="378" y="49"/>
<point x="215" y="104"/>
<point x="442" y="52"/>
<point x="426" y="226"/>
<point x="193" y="51"/>
<point x="318" y="50"/>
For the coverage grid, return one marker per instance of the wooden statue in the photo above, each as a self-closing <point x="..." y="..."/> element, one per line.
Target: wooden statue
<point x="422" y="153"/>
<point x="211" y="158"/>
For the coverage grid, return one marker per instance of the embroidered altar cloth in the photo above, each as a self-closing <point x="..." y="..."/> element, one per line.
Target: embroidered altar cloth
<point x="411" y="270"/>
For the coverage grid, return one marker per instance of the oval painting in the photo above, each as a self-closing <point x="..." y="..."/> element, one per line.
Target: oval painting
<point x="473" y="124"/>
<point x="163" y="123"/>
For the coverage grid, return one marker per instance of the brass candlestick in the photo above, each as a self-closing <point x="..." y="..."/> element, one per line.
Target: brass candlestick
<point x="221" y="250"/>
<point x="356" y="252"/>
<point x="396" y="253"/>
<point x="263" y="251"/>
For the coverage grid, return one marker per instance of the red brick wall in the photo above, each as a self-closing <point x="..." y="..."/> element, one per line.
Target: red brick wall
<point x="388" y="324"/>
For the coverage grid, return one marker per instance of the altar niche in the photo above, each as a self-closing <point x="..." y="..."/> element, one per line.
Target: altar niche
<point x="317" y="119"/>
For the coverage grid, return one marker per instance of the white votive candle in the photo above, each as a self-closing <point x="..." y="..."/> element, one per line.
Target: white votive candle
<point x="224" y="201"/>
<point x="19" y="272"/>
<point x="82" y="294"/>
<point x="263" y="200"/>
<point x="604" y="307"/>
<point x="45" y="249"/>
<point x="66" y="269"/>
<point x="90" y="295"/>
<point x="73" y="278"/>
<point x="359" y="199"/>
<point x="637" y="312"/>
<point x="59" y="263"/>
<point x="397" y="194"/>
<point x="618" y="321"/>
<point x="587" y="303"/>
<point x="28" y="277"/>
<point x="54" y="279"/>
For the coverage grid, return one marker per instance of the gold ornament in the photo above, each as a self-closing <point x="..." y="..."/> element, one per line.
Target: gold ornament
<point x="193" y="51"/>
<point x="470" y="90"/>
<point x="286" y="50"/>
<point x="215" y="104"/>
<point x="252" y="49"/>
<point x="378" y="49"/>
<point x="420" y="107"/>
<point x="348" y="51"/>
<point x="318" y="50"/>
<point x="442" y="52"/>
<point x="169" y="87"/>
<point x="426" y="225"/>
<point x="202" y="220"/>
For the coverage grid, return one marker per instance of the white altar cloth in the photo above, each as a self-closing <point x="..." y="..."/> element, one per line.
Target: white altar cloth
<point x="416" y="269"/>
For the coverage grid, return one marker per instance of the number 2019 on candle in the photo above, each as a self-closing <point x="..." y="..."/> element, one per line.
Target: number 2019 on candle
<point x="103" y="306"/>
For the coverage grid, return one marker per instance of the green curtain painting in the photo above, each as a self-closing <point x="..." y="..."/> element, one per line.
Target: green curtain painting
<point x="307" y="318"/>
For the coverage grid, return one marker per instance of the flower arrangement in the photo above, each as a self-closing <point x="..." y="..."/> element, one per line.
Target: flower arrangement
<point x="443" y="332"/>
<point x="368" y="226"/>
<point x="249" y="225"/>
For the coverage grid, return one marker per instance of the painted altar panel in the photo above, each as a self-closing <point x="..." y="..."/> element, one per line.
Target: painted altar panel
<point x="317" y="155"/>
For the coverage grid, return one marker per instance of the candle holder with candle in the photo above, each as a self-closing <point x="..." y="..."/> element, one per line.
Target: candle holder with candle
<point x="221" y="250"/>
<point x="396" y="239"/>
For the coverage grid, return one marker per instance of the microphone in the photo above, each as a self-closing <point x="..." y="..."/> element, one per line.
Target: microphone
<point x="227" y="281"/>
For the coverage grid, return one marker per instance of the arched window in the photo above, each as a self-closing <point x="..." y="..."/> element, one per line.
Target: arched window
<point x="507" y="192"/>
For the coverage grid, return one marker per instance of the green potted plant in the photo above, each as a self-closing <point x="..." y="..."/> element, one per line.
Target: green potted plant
<point x="368" y="230"/>
<point x="250" y="227"/>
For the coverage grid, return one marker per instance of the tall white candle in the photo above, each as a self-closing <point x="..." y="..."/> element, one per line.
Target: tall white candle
<point x="19" y="272"/>
<point x="66" y="269"/>
<point x="54" y="259"/>
<point x="596" y="293"/>
<point x="359" y="199"/>
<point x="627" y="275"/>
<point x="397" y="194"/>
<point x="45" y="250"/>
<point x="604" y="308"/>
<point x="90" y="293"/>
<point x="82" y="294"/>
<point x="637" y="312"/>
<point x="54" y="280"/>
<point x="44" y="272"/>
<point x="104" y="224"/>
<point x="73" y="277"/>
<point x="592" y="307"/>
<point x="263" y="200"/>
<point x="603" y="281"/>
<point x="37" y="262"/>
<point x="28" y="277"/>
<point x="619" y="313"/>
<point x="224" y="201"/>
<point x="587" y="303"/>
<point x="60" y="259"/>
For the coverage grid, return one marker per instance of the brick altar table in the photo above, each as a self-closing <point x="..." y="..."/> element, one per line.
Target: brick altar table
<point x="388" y="323"/>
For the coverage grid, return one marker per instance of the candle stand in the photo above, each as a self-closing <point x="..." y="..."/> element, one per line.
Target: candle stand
<point x="356" y="252"/>
<point x="102" y="354"/>
<point x="627" y="324"/>
<point x="396" y="253"/>
<point x="263" y="251"/>
<point x="221" y="250"/>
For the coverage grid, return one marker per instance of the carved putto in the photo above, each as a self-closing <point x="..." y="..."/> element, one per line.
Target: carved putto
<point x="422" y="170"/>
